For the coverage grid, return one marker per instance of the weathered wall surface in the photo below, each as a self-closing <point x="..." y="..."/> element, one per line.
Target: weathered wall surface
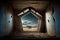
<point x="6" y="19"/>
<point x="50" y="24"/>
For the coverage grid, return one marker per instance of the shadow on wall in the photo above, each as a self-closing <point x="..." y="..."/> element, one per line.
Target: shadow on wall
<point x="5" y="26"/>
<point x="57" y="18"/>
<point x="2" y="21"/>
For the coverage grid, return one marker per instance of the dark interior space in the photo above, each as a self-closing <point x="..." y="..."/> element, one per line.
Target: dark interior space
<point x="47" y="22"/>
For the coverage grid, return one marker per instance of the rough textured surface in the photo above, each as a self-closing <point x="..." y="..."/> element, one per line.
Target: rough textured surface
<point x="28" y="35"/>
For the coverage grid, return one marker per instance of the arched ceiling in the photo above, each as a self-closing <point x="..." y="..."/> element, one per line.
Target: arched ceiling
<point x="19" y="5"/>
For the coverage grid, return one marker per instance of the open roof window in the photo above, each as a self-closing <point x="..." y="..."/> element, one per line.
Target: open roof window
<point x="29" y="22"/>
<point x="30" y="18"/>
<point x="29" y="10"/>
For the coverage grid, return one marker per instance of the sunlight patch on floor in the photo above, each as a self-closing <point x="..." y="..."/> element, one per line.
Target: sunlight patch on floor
<point x="30" y="29"/>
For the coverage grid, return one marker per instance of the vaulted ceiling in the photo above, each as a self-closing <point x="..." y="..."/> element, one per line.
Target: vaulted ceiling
<point x="39" y="5"/>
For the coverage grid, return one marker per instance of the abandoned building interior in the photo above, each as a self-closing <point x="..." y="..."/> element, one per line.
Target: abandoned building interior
<point x="29" y="19"/>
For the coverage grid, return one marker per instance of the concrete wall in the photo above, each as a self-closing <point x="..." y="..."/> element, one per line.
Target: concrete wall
<point x="43" y="27"/>
<point x="50" y="24"/>
<point x="17" y="23"/>
<point x="6" y="19"/>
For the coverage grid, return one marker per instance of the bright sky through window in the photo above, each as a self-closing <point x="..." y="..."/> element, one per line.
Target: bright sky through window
<point x="29" y="20"/>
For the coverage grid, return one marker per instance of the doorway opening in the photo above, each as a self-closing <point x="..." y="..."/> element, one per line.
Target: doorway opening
<point x="29" y="23"/>
<point x="30" y="20"/>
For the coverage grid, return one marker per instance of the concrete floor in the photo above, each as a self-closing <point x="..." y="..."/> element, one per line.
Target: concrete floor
<point x="28" y="35"/>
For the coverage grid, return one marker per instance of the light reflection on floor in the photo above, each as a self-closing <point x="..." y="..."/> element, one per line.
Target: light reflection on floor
<point x="30" y="29"/>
